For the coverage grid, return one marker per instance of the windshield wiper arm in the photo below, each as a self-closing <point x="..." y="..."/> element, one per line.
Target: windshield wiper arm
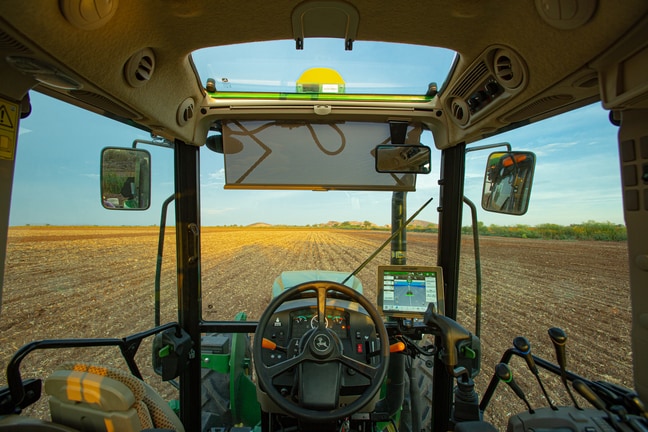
<point x="394" y="234"/>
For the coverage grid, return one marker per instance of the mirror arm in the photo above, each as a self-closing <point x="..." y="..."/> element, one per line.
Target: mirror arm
<point x="489" y="146"/>
<point x="157" y="141"/>
<point x="398" y="131"/>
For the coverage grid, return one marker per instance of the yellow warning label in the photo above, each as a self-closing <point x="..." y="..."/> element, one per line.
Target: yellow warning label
<point x="8" y="129"/>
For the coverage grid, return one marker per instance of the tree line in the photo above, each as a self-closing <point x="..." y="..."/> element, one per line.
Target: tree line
<point x="590" y="230"/>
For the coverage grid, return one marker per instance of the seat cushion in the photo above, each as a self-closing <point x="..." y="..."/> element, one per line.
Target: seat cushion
<point x="79" y="390"/>
<point x="152" y="410"/>
<point x="105" y="393"/>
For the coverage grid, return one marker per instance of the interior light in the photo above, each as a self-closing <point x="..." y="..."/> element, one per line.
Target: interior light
<point x="44" y="73"/>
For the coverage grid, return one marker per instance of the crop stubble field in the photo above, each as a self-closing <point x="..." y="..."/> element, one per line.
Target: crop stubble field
<point x="66" y="282"/>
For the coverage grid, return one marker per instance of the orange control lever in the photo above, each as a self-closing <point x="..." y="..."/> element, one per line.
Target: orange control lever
<point x="397" y="347"/>
<point x="268" y="344"/>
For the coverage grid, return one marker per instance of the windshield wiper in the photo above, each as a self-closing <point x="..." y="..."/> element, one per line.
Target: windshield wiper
<point x="394" y="234"/>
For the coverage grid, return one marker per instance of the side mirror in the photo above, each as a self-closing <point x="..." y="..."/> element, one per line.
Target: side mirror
<point x="507" y="182"/>
<point x="403" y="158"/>
<point x="125" y="179"/>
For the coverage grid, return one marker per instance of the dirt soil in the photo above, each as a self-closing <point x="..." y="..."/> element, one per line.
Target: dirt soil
<point x="67" y="282"/>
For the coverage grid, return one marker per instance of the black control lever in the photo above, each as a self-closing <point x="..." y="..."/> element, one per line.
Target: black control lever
<point x="623" y="396"/>
<point x="504" y="373"/>
<point x="559" y="340"/>
<point x="584" y="390"/>
<point x="588" y="393"/>
<point x="524" y="347"/>
<point x="451" y="332"/>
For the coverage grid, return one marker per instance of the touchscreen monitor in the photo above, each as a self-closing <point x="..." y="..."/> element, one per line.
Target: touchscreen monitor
<point x="406" y="291"/>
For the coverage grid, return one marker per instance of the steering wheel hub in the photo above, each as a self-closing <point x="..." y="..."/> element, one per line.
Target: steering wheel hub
<point x="321" y="345"/>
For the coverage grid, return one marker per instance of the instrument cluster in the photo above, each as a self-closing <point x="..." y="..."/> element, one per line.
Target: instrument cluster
<point x="305" y="319"/>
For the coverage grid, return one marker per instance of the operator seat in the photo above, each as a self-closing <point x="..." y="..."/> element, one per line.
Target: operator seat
<point x="97" y="398"/>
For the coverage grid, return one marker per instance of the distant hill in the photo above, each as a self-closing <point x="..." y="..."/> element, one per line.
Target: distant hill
<point x="348" y="224"/>
<point x="259" y="225"/>
<point x="415" y="224"/>
<point x="420" y="223"/>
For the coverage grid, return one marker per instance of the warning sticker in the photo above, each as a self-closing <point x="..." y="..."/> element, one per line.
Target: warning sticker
<point x="8" y="129"/>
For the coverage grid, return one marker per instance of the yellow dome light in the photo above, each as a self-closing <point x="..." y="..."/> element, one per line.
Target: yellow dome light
<point x="320" y="80"/>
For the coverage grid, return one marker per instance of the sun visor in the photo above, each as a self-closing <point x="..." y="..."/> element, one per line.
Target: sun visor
<point x="307" y="155"/>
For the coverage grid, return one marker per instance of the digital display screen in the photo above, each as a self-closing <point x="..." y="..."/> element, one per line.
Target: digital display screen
<point x="406" y="291"/>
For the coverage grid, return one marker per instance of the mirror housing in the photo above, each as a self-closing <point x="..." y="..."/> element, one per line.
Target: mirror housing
<point x="403" y="159"/>
<point x="125" y="178"/>
<point x="507" y="182"/>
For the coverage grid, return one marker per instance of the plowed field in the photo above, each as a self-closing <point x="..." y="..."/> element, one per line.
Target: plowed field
<point x="63" y="282"/>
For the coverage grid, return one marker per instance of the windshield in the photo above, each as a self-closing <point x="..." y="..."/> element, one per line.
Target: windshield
<point x="370" y="68"/>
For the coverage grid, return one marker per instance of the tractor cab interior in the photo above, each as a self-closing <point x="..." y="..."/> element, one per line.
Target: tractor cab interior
<point x="343" y="97"/>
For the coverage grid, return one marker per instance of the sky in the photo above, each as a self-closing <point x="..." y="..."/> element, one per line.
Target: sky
<point x="56" y="179"/>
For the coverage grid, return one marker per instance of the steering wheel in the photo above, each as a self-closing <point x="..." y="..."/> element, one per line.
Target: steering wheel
<point x="320" y="348"/>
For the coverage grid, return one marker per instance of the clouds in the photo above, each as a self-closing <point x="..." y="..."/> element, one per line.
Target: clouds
<point x="577" y="170"/>
<point x="213" y="178"/>
<point x="548" y="149"/>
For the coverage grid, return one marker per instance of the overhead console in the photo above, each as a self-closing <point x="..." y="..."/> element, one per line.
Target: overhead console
<point x="498" y="75"/>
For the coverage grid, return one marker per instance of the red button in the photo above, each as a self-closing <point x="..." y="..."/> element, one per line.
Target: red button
<point x="359" y="348"/>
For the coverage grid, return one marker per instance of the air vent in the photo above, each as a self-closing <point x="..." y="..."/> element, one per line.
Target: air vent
<point x="140" y="67"/>
<point x="103" y="103"/>
<point x="587" y="82"/>
<point x="539" y="107"/>
<point x="44" y="72"/>
<point x="509" y="69"/>
<point x="566" y="15"/>
<point x="9" y="44"/>
<point x="467" y="83"/>
<point x="459" y="111"/>
<point x="88" y="14"/>
<point x="185" y="111"/>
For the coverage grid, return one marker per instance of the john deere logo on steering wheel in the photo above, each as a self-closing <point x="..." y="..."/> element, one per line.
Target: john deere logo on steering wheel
<point x="322" y="343"/>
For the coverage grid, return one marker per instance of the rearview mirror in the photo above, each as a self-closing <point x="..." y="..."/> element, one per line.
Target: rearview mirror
<point x="125" y="179"/>
<point x="403" y="158"/>
<point x="507" y="182"/>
